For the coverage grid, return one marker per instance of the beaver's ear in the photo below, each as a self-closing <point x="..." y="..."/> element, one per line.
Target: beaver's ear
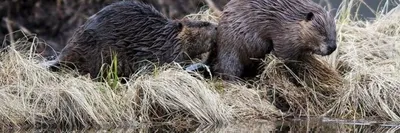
<point x="310" y="16"/>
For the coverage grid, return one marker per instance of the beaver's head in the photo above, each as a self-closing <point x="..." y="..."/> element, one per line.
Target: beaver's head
<point x="318" y="33"/>
<point x="197" y="36"/>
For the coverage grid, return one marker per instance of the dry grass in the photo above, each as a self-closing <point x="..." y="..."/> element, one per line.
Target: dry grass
<point x="33" y="96"/>
<point x="304" y="88"/>
<point x="360" y="80"/>
<point x="369" y="58"/>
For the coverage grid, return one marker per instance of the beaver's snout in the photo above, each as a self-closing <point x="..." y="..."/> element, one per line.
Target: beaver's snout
<point x="327" y="49"/>
<point x="331" y="49"/>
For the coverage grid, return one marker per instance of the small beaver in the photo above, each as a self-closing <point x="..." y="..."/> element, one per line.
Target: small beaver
<point x="137" y="34"/>
<point x="253" y="28"/>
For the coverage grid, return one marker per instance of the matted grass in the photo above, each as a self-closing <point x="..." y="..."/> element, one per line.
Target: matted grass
<point x="31" y="95"/>
<point x="369" y="58"/>
<point x="360" y="80"/>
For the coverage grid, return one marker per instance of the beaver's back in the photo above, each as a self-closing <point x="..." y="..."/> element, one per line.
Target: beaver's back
<point x="135" y="31"/>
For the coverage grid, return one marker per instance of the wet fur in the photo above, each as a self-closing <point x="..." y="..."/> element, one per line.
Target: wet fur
<point x="138" y="35"/>
<point x="253" y="28"/>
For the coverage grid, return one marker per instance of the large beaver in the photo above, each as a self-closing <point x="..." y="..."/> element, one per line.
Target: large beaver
<point x="253" y="28"/>
<point x="136" y="33"/>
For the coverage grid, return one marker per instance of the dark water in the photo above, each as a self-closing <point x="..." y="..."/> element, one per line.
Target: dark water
<point x="314" y="125"/>
<point x="364" y="11"/>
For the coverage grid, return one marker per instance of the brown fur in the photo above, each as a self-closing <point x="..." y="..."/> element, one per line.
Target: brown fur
<point x="253" y="28"/>
<point x="138" y="34"/>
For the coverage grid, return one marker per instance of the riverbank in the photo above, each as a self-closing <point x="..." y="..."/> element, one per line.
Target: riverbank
<point x="358" y="81"/>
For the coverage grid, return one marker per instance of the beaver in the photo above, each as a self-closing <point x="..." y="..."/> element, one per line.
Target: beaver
<point x="136" y="34"/>
<point x="34" y="18"/>
<point x="250" y="29"/>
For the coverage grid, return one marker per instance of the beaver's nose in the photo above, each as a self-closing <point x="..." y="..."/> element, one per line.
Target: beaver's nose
<point x="331" y="48"/>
